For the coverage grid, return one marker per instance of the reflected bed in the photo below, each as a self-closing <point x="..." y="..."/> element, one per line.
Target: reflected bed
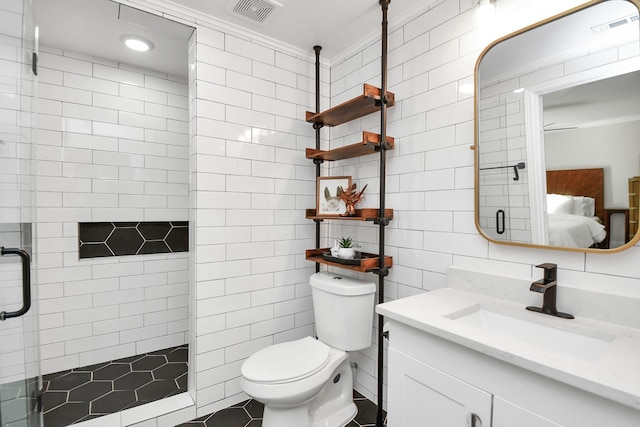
<point x="576" y="221"/>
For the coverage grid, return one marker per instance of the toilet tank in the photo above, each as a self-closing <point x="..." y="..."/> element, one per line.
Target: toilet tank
<point x="343" y="308"/>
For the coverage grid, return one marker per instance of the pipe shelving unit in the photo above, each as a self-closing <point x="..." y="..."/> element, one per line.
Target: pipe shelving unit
<point x="372" y="100"/>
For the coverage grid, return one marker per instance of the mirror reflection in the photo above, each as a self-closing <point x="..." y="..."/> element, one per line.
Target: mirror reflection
<point x="557" y="119"/>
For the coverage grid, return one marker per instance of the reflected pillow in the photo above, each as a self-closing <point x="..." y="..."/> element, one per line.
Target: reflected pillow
<point x="578" y="206"/>
<point x="589" y="206"/>
<point x="559" y="203"/>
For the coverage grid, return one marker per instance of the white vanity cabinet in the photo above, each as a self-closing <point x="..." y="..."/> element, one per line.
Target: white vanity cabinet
<point x="420" y="395"/>
<point x="435" y="382"/>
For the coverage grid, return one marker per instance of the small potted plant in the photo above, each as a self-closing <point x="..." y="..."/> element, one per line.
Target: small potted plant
<point x="347" y="248"/>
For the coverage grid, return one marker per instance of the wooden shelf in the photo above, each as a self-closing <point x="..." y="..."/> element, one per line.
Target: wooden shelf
<point x="370" y="143"/>
<point x="368" y="264"/>
<point x="358" y="107"/>
<point x="361" y="215"/>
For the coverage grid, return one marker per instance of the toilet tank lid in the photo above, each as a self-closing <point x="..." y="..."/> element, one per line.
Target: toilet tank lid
<point x="341" y="285"/>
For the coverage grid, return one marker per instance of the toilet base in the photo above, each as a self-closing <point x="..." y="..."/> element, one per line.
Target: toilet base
<point x="333" y="407"/>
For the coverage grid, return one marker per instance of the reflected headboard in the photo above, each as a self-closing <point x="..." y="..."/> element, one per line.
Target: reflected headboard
<point x="579" y="182"/>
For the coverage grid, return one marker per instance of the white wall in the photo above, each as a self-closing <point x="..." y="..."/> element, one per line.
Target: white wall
<point x="112" y="146"/>
<point x="615" y="146"/>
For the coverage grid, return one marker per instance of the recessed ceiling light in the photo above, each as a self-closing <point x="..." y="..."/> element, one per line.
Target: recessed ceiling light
<point x="138" y="44"/>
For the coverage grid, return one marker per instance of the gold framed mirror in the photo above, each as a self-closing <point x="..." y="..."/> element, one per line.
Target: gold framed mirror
<point x="557" y="119"/>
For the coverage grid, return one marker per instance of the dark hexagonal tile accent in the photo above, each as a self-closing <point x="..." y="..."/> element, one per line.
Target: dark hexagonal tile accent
<point x="94" y="250"/>
<point x="103" y="239"/>
<point x="132" y="380"/>
<point x="178" y="239"/>
<point x="111" y="372"/>
<point x="125" y="241"/>
<point x="148" y="363"/>
<point x="70" y="381"/>
<point x="90" y="391"/>
<point x="155" y="247"/>
<point x="154" y="230"/>
<point x="93" y="232"/>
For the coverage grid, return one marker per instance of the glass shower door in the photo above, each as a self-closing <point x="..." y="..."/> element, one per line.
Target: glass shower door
<point x="20" y="379"/>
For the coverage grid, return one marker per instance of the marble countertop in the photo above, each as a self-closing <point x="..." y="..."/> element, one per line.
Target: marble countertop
<point x="612" y="373"/>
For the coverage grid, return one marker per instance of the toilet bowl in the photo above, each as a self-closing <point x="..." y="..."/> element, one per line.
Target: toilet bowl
<point x="302" y="383"/>
<point x="309" y="382"/>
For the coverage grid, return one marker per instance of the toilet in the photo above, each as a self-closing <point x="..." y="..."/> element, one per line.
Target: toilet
<point x="308" y="382"/>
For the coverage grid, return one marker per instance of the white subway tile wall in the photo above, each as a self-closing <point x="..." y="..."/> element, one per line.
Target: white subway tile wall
<point x="112" y="146"/>
<point x="249" y="185"/>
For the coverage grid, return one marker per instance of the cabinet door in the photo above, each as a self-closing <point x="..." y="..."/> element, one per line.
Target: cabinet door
<point x="422" y="396"/>
<point x="506" y="414"/>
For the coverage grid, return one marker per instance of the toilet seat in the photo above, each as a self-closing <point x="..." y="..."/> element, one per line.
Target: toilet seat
<point x="286" y="362"/>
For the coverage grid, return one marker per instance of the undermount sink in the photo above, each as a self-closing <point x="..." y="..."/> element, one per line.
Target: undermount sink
<point x="574" y="342"/>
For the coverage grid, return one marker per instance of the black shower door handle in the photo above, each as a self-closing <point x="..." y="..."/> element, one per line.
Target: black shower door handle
<point x="26" y="282"/>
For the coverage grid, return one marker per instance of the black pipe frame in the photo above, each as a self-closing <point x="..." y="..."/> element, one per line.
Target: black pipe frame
<point x="382" y="220"/>
<point x="317" y="128"/>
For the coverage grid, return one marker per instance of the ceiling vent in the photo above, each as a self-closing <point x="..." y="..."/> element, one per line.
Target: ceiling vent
<point x="256" y="10"/>
<point x="614" y="24"/>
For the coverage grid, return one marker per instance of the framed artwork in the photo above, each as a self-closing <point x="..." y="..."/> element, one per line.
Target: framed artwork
<point x="328" y="203"/>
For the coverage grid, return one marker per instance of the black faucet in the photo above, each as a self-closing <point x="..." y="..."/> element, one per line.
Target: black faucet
<point x="547" y="287"/>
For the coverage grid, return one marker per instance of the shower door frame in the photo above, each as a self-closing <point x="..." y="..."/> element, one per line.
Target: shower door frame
<point x="20" y="371"/>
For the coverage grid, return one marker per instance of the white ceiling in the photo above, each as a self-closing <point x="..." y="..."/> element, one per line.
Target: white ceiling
<point x="333" y="24"/>
<point x="602" y="102"/>
<point x="94" y="27"/>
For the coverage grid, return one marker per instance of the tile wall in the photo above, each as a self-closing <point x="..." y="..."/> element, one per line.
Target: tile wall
<point x="113" y="147"/>
<point x="250" y="187"/>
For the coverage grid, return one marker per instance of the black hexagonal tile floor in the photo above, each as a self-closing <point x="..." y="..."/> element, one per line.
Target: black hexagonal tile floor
<point x="88" y="392"/>
<point x="111" y="372"/>
<point x="70" y="381"/>
<point x="113" y="401"/>
<point x="150" y="377"/>
<point x="133" y="380"/>
<point x="148" y="363"/>
<point x="170" y="371"/>
<point x="249" y="414"/>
